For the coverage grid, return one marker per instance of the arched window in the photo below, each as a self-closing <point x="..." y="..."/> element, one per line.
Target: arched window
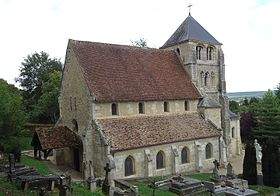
<point x="75" y="125"/>
<point x="187" y="106"/>
<point x="206" y="78"/>
<point x="129" y="168"/>
<point x="160" y="162"/>
<point x="208" y="151"/>
<point x="178" y="51"/>
<point x="166" y="106"/>
<point x="141" y="108"/>
<point x="199" y="52"/>
<point x="210" y="50"/>
<point x="114" y="109"/>
<point x="185" y="155"/>
<point x="233" y="132"/>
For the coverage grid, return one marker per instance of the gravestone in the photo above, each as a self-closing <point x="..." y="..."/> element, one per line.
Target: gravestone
<point x="230" y="172"/>
<point x="185" y="186"/>
<point x="91" y="180"/>
<point x="215" y="172"/>
<point x="17" y="153"/>
<point x="216" y="164"/>
<point x="106" y="185"/>
<point x="65" y="185"/>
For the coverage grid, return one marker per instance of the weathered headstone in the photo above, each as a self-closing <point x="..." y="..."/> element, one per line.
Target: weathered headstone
<point x="65" y="185"/>
<point x="215" y="172"/>
<point x="106" y="185"/>
<point x="230" y="171"/>
<point x="91" y="180"/>
<point x="17" y="153"/>
<point x="259" y="162"/>
<point x="216" y="164"/>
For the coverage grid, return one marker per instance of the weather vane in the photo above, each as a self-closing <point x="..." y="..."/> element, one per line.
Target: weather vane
<point x="190" y="6"/>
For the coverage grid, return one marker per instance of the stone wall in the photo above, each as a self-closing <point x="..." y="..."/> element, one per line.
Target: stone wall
<point x="144" y="168"/>
<point x="212" y="114"/>
<point x="235" y="142"/>
<point x="102" y="110"/>
<point x="75" y="105"/>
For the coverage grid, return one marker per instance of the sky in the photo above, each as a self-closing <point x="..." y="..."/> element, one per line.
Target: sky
<point x="249" y="31"/>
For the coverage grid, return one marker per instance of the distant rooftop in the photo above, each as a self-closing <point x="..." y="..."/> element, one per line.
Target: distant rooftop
<point x="190" y="30"/>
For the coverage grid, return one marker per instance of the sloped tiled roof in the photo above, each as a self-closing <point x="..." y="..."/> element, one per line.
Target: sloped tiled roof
<point x="127" y="73"/>
<point x="208" y="103"/>
<point x="190" y="30"/>
<point x="141" y="131"/>
<point x="58" y="137"/>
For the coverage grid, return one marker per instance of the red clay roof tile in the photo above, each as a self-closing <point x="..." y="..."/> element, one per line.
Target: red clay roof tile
<point x="128" y="73"/>
<point x="140" y="131"/>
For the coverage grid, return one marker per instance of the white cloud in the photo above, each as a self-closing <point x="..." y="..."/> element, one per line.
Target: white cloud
<point x="248" y="29"/>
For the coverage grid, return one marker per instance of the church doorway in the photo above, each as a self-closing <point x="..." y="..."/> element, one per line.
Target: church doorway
<point x="77" y="159"/>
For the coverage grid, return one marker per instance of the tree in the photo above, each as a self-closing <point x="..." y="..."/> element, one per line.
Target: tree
<point x="35" y="72"/>
<point x="234" y="106"/>
<point x="47" y="108"/>
<point x="277" y="91"/>
<point x="12" y="116"/>
<point x="264" y="125"/>
<point x="140" y="43"/>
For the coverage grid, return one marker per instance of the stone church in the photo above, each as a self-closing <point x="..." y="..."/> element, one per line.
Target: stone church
<point x="145" y="111"/>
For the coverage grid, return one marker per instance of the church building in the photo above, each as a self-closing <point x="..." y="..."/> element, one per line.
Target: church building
<point x="146" y="111"/>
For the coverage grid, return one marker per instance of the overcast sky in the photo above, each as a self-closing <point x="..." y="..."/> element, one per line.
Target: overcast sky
<point x="249" y="31"/>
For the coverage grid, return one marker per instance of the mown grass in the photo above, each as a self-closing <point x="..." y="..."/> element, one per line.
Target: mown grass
<point x="40" y="166"/>
<point x="81" y="189"/>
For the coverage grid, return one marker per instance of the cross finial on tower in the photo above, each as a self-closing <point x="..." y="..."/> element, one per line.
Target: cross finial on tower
<point x="190" y="6"/>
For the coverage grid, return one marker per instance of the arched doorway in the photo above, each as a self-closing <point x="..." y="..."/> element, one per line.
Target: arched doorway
<point x="77" y="158"/>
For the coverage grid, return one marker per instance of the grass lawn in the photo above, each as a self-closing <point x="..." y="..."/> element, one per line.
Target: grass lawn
<point x="40" y="166"/>
<point x="80" y="189"/>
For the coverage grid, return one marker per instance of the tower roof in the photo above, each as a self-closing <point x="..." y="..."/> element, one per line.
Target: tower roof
<point x="190" y="29"/>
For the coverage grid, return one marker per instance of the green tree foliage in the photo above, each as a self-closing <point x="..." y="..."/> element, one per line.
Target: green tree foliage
<point x="249" y="164"/>
<point x="140" y="43"/>
<point x="267" y="117"/>
<point x="47" y="107"/>
<point x="36" y="79"/>
<point x="264" y="125"/>
<point x="277" y="91"/>
<point x="12" y="116"/>
<point x="234" y="106"/>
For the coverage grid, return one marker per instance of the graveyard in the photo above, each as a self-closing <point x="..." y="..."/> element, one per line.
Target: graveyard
<point x="27" y="175"/>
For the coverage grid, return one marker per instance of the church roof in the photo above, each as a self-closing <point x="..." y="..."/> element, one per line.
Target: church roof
<point x="127" y="73"/>
<point x="57" y="137"/>
<point x="141" y="131"/>
<point x="190" y="30"/>
<point x="208" y="103"/>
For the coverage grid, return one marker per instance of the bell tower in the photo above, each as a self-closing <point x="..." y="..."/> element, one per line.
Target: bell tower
<point x="203" y="59"/>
